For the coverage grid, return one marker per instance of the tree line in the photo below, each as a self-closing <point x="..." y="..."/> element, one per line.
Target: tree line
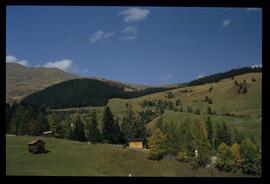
<point x="219" y="76"/>
<point x="198" y="142"/>
<point x="28" y="120"/>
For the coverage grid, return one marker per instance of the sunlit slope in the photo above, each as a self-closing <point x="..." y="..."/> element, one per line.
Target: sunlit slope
<point x="224" y="95"/>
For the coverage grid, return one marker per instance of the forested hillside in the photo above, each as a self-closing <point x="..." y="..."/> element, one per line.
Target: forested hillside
<point x="83" y="92"/>
<point x="219" y="76"/>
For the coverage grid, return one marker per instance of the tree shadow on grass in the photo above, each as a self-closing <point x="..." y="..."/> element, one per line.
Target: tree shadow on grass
<point x="46" y="151"/>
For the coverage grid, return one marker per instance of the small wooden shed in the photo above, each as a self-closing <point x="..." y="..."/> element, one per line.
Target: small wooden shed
<point x="135" y="142"/>
<point x="36" y="146"/>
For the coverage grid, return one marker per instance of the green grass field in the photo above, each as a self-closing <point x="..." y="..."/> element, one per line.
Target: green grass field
<point x="68" y="158"/>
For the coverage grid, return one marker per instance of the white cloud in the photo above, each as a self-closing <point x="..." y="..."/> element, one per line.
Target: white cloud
<point x="13" y="59"/>
<point x="23" y="62"/>
<point x="226" y="22"/>
<point x="130" y="30"/>
<point x="100" y="36"/>
<point x="107" y="35"/>
<point x="129" y="33"/>
<point x="168" y="77"/>
<point x="97" y="36"/>
<point x="256" y="66"/>
<point x="79" y="71"/>
<point x="200" y="76"/>
<point x="65" y="64"/>
<point x="252" y="9"/>
<point x="128" y="37"/>
<point x="134" y="14"/>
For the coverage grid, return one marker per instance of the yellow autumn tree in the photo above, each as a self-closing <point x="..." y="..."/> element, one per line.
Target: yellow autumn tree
<point x="157" y="145"/>
<point x="235" y="152"/>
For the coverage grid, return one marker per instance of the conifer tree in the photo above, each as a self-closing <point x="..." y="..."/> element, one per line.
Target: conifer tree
<point x="55" y="124"/>
<point x="209" y="129"/>
<point x="93" y="133"/>
<point x="223" y="135"/>
<point x="79" y="130"/>
<point x="201" y="142"/>
<point x="108" y="125"/>
<point x="117" y="135"/>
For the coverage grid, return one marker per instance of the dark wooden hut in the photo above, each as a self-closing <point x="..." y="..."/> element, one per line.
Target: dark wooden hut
<point x="36" y="146"/>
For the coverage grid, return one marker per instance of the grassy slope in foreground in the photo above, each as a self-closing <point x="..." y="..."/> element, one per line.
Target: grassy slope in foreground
<point x="68" y="158"/>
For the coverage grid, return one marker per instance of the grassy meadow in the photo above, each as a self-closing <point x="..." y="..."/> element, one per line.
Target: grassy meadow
<point x="69" y="158"/>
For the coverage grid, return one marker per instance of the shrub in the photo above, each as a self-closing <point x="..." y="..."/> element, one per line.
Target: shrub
<point x="244" y="90"/>
<point x="209" y="110"/>
<point x="170" y="94"/>
<point x="189" y="109"/>
<point x="228" y="166"/>
<point x="251" y="159"/>
<point x="225" y="162"/>
<point x="182" y="156"/>
<point x="177" y="102"/>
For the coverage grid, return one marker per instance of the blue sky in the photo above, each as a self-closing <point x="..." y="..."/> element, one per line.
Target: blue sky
<point x="145" y="45"/>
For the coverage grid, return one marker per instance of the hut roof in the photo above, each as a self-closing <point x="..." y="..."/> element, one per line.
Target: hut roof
<point x="48" y="132"/>
<point x="136" y="140"/>
<point x="35" y="141"/>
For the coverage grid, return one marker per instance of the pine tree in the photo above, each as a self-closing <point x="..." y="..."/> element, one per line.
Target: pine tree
<point x="237" y="136"/>
<point x="93" y="133"/>
<point x="187" y="144"/>
<point x="79" y="130"/>
<point x="118" y="137"/>
<point x="173" y="137"/>
<point x="67" y="127"/>
<point x="133" y="126"/>
<point x="127" y="121"/>
<point x="8" y="116"/>
<point x="201" y="143"/>
<point x="223" y="135"/>
<point x="206" y="99"/>
<point x="55" y="124"/>
<point x="108" y="125"/>
<point x="209" y="110"/>
<point x="209" y="129"/>
<point x="159" y="123"/>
